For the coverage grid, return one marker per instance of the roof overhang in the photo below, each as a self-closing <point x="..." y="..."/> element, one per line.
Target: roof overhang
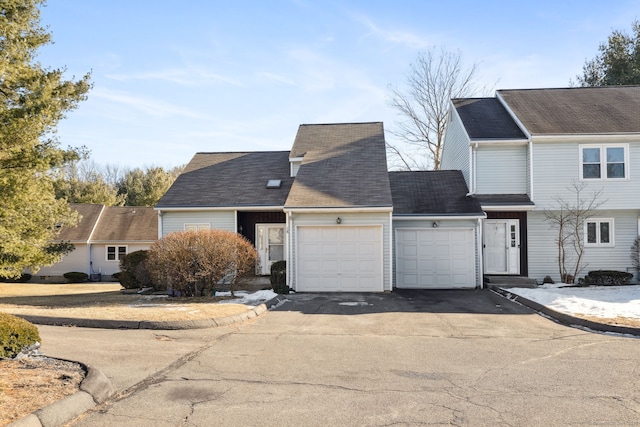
<point x="508" y="208"/>
<point x="480" y="141"/>
<point x="587" y="138"/>
<point x="437" y="217"/>
<point x="262" y="208"/>
<point x="386" y="209"/>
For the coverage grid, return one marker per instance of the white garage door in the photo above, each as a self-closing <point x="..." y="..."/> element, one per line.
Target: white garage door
<point x="428" y="258"/>
<point x="343" y="258"/>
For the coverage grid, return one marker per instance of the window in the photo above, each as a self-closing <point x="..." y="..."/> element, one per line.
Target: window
<point x="115" y="253"/>
<point x="599" y="232"/>
<point x="196" y="227"/>
<point x="604" y="161"/>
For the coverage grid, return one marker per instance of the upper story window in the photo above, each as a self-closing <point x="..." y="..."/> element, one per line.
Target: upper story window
<point x="604" y="161"/>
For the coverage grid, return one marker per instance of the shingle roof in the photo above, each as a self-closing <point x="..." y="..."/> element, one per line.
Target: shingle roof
<point x="432" y="193"/>
<point x="231" y="179"/>
<point x="486" y="118"/>
<point x="503" y="199"/>
<point x="89" y="215"/>
<point x="593" y="110"/>
<point x="344" y="165"/>
<point x="127" y="224"/>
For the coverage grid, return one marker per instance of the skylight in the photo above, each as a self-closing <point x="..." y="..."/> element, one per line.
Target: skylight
<point x="274" y="183"/>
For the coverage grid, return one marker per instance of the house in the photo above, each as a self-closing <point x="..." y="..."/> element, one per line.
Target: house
<point x="523" y="151"/>
<point x="327" y="207"/>
<point x="103" y="235"/>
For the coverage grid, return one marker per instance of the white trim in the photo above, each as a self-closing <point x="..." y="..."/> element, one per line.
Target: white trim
<point x="530" y="169"/>
<point x="296" y="159"/>
<point x="596" y="137"/>
<point x="322" y="210"/>
<point x="436" y="217"/>
<point x="513" y="115"/>
<point x="508" y="208"/>
<point x="599" y="244"/>
<point x="603" y="161"/>
<point x="480" y="254"/>
<point x="391" y="254"/>
<point x="521" y="141"/>
<point x="268" y="208"/>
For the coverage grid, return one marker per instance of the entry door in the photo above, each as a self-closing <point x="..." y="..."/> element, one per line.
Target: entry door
<point x="501" y="246"/>
<point x="270" y="246"/>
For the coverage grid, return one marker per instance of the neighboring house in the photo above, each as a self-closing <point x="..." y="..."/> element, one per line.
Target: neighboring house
<point x="327" y="208"/>
<point x="103" y="236"/>
<point x="522" y="151"/>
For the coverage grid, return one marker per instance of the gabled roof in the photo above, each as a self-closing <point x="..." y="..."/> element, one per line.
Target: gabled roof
<point x="127" y="224"/>
<point x="591" y="110"/>
<point x="344" y="165"/>
<point x="89" y="215"/>
<point x="487" y="119"/>
<point x="432" y="193"/>
<point x="231" y="179"/>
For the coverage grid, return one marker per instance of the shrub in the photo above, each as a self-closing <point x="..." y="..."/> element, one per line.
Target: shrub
<point x="279" y="277"/>
<point x="25" y="277"/>
<point x="75" y="276"/>
<point x="607" y="278"/>
<point x="194" y="262"/>
<point x="547" y="279"/>
<point x="134" y="272"/>
<point x="15" y="334"/>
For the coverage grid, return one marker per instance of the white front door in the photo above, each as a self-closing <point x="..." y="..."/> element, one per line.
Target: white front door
<point x="501" y="246"/>
<point x="270" y="246"/>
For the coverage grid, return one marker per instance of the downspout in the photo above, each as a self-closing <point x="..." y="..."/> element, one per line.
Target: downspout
<point x="160" y="231"/>
<point x="289" y="249"/>
<point x="391" y="269"/>
<point x="480" y="255"/>
<point x="91" y="236"/>
<point x="530" y="169"/>
<point x="474" y="157"/>
<point x="471" y="169"/>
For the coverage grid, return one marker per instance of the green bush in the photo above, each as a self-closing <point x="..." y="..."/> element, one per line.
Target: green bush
<point x="279" y="277"/>
<point x="76" y="276"/>
<point x="607" y="278"/>
<point x="134" y="273"/>
<point x="15" y="334"/>
<point x="25" y="277"/>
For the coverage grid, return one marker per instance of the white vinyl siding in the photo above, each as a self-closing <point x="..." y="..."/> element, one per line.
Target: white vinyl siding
<point x="543" y="251"/>
<point x="76" y="260"/>
<point x="501" y="169"/>
<point x="455" y="154"/>
<point x="173" y="221"/>
<point x="556" y="166"/>
<point x="347" y="219"/>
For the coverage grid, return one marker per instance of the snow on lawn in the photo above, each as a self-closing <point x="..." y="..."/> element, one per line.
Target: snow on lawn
<point x="250" y="299"/>
<point x="606" y="302"/>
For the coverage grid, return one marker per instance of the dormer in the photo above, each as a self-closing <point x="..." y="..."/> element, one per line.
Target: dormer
<point x="294" y="163"/>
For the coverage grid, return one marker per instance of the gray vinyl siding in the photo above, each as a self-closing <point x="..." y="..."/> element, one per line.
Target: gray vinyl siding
<point x="557" y="165"/>
<point x="425" y="223"/>
<point x="501" y="169"/>
<point x="543" y="251"/>
<point x="347" y="219"/>
<point x="455" y="152"/>
<point x="173" y="221"/>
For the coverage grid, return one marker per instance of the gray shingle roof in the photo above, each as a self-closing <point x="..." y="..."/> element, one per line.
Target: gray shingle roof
<point x="432" y="193"/>
<point x="593" y="110"/>
<point x="486" y="118"/>
<point x="344" y="165"/>
<point x="127" y="224"/>
<point x="503" y="199"/>
<point x="88" y="217"/>
<point x="230" y="179"/>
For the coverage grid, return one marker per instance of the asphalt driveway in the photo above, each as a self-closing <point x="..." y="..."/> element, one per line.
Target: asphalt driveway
<point x="406" y="358"/>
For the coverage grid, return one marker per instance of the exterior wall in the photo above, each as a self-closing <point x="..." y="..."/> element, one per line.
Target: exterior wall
<point x="455" y="152"/>
<point x="543" y="250"/>
<point x="173" y="221"/>
<point x="77" y="260"/>
<point x="426" y="223"/>
<point x="556" y="165"/>
<point x="247" y="222"/>
<point x="501" y="169"/>
<point x="99" y="256"/>
<point x="347" y="219"/>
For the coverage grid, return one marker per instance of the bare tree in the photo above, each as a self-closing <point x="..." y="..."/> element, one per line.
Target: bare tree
<point x="433" y="80"/>
<point x="570" y="218"/>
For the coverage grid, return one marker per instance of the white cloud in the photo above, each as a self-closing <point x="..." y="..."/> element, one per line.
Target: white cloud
<point x="149" y="106"/>
<point x="397" y="37"/>
<point x="190" y="76"/>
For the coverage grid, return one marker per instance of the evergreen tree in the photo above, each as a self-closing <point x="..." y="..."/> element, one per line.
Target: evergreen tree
<point x="33" y="100"/>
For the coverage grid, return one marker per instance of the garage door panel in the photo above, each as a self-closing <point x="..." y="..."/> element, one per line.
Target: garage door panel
<point x="435" y="258"/>
<point x="349" y="258"/>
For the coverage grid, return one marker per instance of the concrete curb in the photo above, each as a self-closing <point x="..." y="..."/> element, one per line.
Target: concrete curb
<point x="566" y="319"/>
<point x="156" y="325"/>
<point x="96" y="388"/>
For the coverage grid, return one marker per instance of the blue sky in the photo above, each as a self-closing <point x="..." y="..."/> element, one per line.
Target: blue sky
<point x="175" y="78"/>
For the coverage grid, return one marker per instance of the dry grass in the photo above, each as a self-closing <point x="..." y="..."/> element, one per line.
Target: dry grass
<point x="29" y="384"/>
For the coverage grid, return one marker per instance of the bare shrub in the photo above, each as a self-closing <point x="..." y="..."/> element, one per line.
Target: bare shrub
<point x="194" y="262"/>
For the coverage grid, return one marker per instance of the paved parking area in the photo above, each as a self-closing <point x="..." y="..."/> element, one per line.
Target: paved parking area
<point x="408" y="358"/>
